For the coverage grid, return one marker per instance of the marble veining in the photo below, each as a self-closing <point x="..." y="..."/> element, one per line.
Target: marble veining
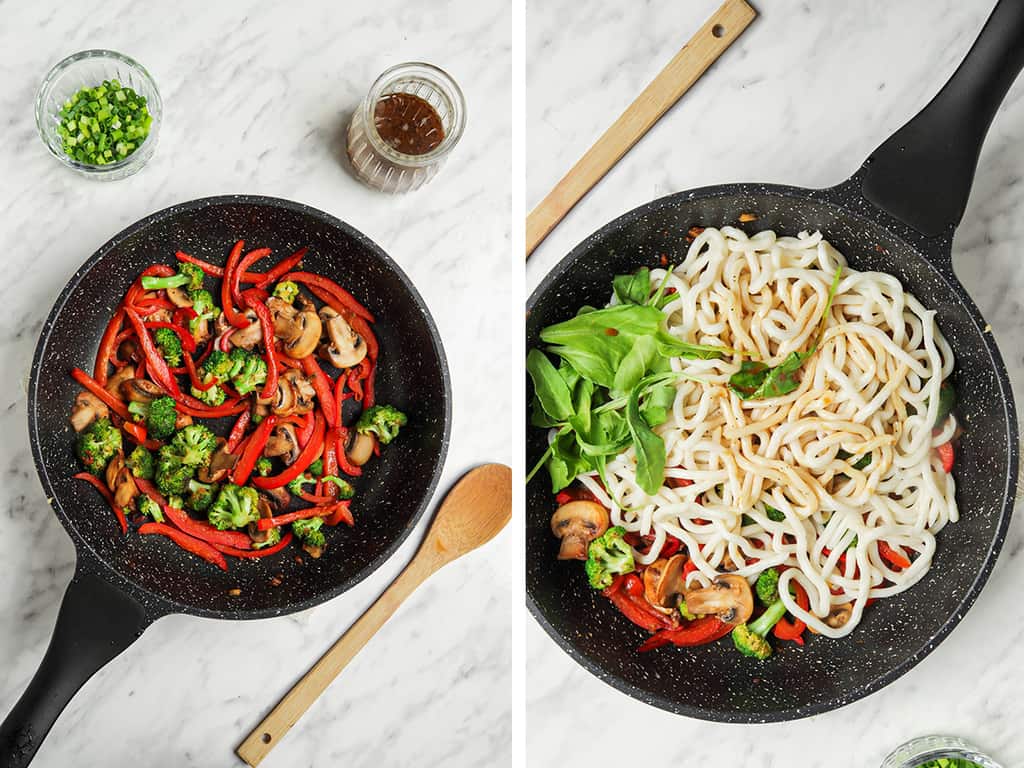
<point x="802" y="98"/>
<point x="256" y="100"/>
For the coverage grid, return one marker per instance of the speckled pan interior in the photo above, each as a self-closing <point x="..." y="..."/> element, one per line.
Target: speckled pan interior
<point x="390" y="496"/>
<point x="715" y="682"/>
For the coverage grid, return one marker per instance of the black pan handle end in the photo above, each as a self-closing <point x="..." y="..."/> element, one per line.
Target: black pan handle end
<point x="96" y="622"/>
<point x="922" y="175"/>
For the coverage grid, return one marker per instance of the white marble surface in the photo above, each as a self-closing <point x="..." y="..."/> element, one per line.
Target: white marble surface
<point x="256" y="100"/>
<point x="802" y="98"/>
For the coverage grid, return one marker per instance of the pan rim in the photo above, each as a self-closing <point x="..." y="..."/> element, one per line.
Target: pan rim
<point x="157" y="605"/>
<point x="942" y="265"/>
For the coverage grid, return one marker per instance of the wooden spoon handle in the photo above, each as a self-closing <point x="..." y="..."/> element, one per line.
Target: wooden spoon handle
<point x="302" y="695"/>
<point x="710" y="42"/>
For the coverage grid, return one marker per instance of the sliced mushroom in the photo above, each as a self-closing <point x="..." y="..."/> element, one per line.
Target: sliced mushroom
<point x="160" y="316"/>
<point x="305" y="394"/>
<point x="121" y="482"/>
<point x="201" y="331"/>
<point x="259" y="411"/>
<point x="118" y="376"/>
<point x="301" y="334"/>
<point x="183" y="420"/>
<point x="221" y="463"/>
<point x="729" y="597"/>
<point x="283" y="315"/>
<point x="86" y="409"/>
<point x="284" y="443"/>
<point x="837" y="616"/>
<point x="127" y="349"/>
<point x="140" y="390"/>
<point x="577" y="524"/>
<point x="360" y="447"/>
<point x="346" y="347"/>
<point x="664" y="584"/>
<point x="251" y="335"/>
<point x="179" y="297"/>
<point x="277" y="498"/>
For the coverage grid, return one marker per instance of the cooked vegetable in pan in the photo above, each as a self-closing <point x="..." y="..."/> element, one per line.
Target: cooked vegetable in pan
<point x="256" y="349"/>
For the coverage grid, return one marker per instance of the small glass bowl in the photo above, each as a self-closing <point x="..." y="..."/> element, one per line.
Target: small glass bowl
<point x="87" y="69"/>
<point x="925" y="748"/>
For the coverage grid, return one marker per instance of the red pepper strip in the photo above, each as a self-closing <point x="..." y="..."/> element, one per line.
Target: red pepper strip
<point x="188" y="406"/>
<point x="223" y="341"/>
<point x="947" y="455"/>
<point x="306" y="429"/>
<point x="339" y="392"/>
<point x="140" y="366"/>
<point x="238" y="431"/>
<point x="322" y="385"/>
<point x="785" y="629"/>
<point x="182" y="315"/>
<point x="284" y="542"/>
<point x="283" y="359"/>
<point x="199" y="529"/>
<point x="266" y="523"/>
<point x="188" y="543"/>
<point x="632" y="611"/>
<point x="100" y="486"/>
<point x="361" y="327"/>
<point x="893" y="555"/>
<point x="206" y="353"/>
<point x="237" y="319"/>
<point x="108" y="347"/>
<point x="243" y="264"/>
<point x="316" y="498"/>
<point x="187" y="342"/>
<point x="153" y="305"/>
<point x="282" y="267"/>
<point x="346" y="299"/>
<point x="340" y="514"/>
<point x="330" y="463"/>
<point x="689" y="568"/>
<point x="368" y="397"/>
<point x="213" y="270"/>
<point x="154" y="362"/>
<point x="309" y="451"/>
<point x="113" y="403"/>
<point x="247" y="462"/>
<point x="344" y="464"/>
<point x="193" y="375"/>
<point x="355" y="383"/>
<point x="267" y="326"/>
<point x="696" y="632"/>
<point x="135" y="290"/>
<point x="678" y="482"/>
<point x="137" y="433"/>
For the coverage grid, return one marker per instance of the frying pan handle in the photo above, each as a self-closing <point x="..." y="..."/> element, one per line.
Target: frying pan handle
<point x="922" y="175"/>
<point x="96" y="622"/>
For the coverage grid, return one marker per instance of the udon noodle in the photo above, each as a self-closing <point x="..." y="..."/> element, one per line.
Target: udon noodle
<point x="872" y="387"/>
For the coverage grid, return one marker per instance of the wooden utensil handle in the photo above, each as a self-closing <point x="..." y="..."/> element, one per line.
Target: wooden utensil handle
<point x="280" y="720"/>
<point x="717" y="34"/>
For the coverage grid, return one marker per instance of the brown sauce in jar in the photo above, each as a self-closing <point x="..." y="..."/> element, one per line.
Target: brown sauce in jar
<point x="408" y="124"/>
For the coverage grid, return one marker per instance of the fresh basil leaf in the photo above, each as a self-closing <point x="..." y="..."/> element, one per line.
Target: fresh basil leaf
<point x="658" y="403"/>
<point x="549" y="386"/>
<point x="634" y="288"/>
<point x="650" y="450"/>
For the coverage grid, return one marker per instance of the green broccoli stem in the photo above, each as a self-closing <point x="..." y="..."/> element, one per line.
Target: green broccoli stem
<point x="153" y="283"/>
<point x="763" y="624"/>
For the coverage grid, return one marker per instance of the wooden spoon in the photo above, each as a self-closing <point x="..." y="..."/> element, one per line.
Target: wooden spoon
<point x="472" y="513"/>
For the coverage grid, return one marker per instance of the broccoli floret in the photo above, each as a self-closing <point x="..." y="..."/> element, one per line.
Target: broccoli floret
<point x="309" y="532"/>
<point x="264" y="466"/>
<point x="217" y="365"/>
<point x="685" y="612"/>
<point x="171" y="476"/>
<point x="212" y="396"/>
<point x="286" y="291"/>
<point x="194" y="445"/>
<point x="316" y="468"/>
<point x="140" y="462"/>
<point x="383" y="421"/>
<point x="203" y="303"/>
<point x="237" y="359"/>
<point x="175" y="502"/>
<point x="297" y="486"/>
<point x="767" y="587"/>
<point x="149" y="508"/>
<point x="160" y="416"/>
<point x="235" y="507"/>
<point x="169" y="344"/>
<point x="749" y="639"/>
<point x="200" y="496"/>
<point x="608" y="556"/>
<point x="273" y="537"/>
<point x="189" y="275"/>
<point x="251" y="375"/>
<point x="98" y="444"/>
<point x="345" y="489"/>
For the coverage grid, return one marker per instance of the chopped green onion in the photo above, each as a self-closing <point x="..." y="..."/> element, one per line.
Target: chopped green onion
<point x="104" y="124"/>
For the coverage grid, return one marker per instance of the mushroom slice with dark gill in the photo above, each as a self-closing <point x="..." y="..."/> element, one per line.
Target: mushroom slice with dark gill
<point x="304" y="334"/>
<point x="346" y="347"/>
<point x="577" y="524"/>
<point x="179" y="297"/>
<point x="221" y="463"/>
<point x="728" y="597"/>
<point x="251" y="335"/>
<point x="86" y="409"/>
<point x="121" y="483"/>
<point x="360" y="447"/>
<point x="837" y="617"/>
<point x="140" y="390"/>
<point x="282" y="443"/>
<point x="664" y="584"/>
<point x="119" y="376"/>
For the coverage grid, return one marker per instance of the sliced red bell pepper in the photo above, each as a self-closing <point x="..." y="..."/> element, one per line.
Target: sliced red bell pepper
<point x="947" y="455"/>
<point x="193" y="375"/>
<point x="154" y="362"/>
<point x="342" y="513"/>
<point x="135" y="290"/>
<point x="243" y="264"/>
<point x="339" y="392"/>
<point x="197" y="408"/>
<point x="267" y="326"/>
<point x="322" y="385"/>
<point x="199" y="529"/>
<point x="362" y="327"/>
<point x="245" y="465"/>
<point x="238" y="431"/>
<point x="188" y="343"/>
<point x="316" y="498"/>
<point x="137" y="433"/>
<point x="152" y="306"/>
<point x="627" y="594"/>
<point x="281" y="268"/>
<point x="286" y="539"/>
<point x="113" y="403"/>
<point x="785" y="629"/>
<point x="893" y="555"/>
<point x="108" y="347"/>
<point x="344" y="464"/>
<point x="346" y="299"/>
<point x="678" y="482"/>
<point x="309" y="452"/>
<point x="214" y="271"/>
<point x="188" y="543"/>
<point x="236" y="319"/>
<point x="100" y="486"/>
<point x="369" y="398"/>
<point x="305" y="423"/>
<point x="182" y="315"/>
<point x="283" y="360"/>
<point x="266" y="523"/>
<point x="697" y="632"/>
<point x="330" y="457"/>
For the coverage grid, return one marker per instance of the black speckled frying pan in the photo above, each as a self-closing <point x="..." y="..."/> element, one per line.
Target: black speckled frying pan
<point x="122" y="584"/>
<point x="896" y="214"/>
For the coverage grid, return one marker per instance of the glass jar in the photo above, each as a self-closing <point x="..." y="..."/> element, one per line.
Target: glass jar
<point x="918" y="752"/>
<point x="406" y="127"/>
